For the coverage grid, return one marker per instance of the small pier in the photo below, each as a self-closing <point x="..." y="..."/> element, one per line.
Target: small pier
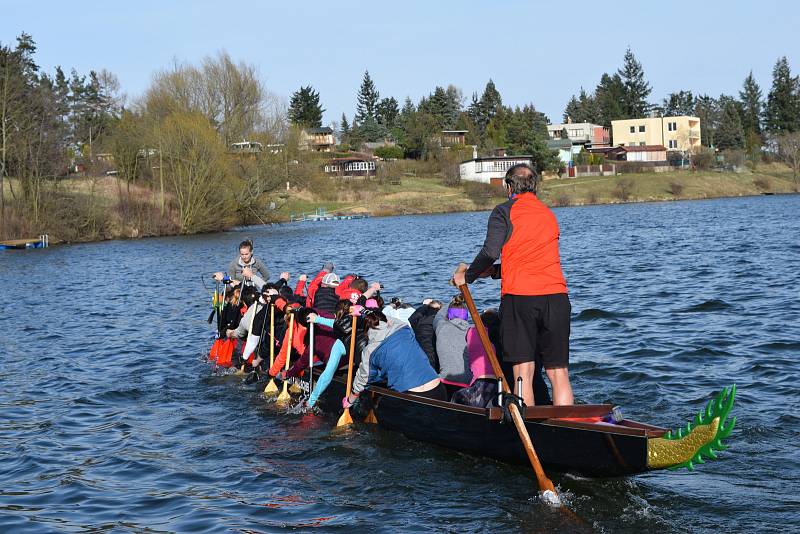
<point x="321" y="215"/>
<point x="43" y="241"/>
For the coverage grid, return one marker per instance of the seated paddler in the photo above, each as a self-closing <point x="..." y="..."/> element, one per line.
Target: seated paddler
<point x="393" y="356"/>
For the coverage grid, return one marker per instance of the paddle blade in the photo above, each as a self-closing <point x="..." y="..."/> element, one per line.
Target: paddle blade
<point x="294" y="388"/>
<point x="370" y="418"/>
<point x="284" y="396"/>
<point x="345" y="418"/>
<point x="271" y="388"/>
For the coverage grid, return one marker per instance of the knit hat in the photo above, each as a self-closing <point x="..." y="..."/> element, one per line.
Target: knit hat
<point x="330" y="280"/>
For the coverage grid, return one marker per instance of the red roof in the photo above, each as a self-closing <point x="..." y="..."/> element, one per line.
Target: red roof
<point x="645" y="148"/>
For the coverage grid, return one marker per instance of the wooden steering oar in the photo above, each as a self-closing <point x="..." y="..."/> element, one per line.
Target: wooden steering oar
<point x="271" y="388"/>
<point x="545" y="484"/>
<point x="345" y="418"/>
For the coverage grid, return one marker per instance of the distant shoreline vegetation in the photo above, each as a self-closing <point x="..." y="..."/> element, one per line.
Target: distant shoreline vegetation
<point x="208" y="147"/>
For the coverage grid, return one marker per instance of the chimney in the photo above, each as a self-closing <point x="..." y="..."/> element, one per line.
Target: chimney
<point x="474" y="151"/>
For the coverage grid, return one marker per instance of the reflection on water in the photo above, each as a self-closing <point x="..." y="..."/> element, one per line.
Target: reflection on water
<point x="112" y="420"/>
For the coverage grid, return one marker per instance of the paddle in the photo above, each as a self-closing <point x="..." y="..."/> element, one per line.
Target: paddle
<point x="214" y="299"/>
<point x="271" y="388"/>
<point x="345" y="418"/>
<point x="284" y="395"/>
<point x="545" y="485"/>
<point x="310" y="357"/>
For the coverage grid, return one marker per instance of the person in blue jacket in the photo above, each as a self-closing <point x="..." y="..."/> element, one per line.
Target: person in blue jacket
<point x="393" y="356"/>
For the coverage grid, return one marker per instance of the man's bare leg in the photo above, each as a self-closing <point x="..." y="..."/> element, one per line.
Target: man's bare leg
<point x="525" y="370"/>
<point x="562" y="389"/>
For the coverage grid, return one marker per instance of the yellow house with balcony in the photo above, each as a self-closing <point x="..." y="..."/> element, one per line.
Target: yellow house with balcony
<point x="676" y="133"/>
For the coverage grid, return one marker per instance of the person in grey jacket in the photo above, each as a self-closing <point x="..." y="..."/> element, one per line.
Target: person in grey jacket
<point x="450" y="325"/>
<point x="246" y="268"/>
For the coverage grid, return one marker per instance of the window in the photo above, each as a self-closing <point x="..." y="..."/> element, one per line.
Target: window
<point x="477" y="166"/>
<point x="641" y="128"/>
<point x="633" y="129"/>
<point x="673" y="143"/>
<point x="641" y="143"/>
<point x="672" y="126"/>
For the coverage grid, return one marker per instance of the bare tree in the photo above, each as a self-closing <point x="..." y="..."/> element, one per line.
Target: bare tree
<point x="789" y="150"/>
<point x="230" y="95"/>
<point x="193" y="157"/>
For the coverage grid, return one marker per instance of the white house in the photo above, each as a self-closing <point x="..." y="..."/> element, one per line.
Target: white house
<point x="490" y="169"/>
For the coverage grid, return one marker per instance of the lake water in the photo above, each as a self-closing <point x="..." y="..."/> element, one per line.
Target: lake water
<point x="112" y="421"/>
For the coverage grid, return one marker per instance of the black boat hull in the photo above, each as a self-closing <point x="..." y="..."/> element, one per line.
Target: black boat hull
<point x="588" y="449"/>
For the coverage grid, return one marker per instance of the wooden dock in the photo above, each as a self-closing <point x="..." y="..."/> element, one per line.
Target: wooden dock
<point x="43" y="241"/>
<point x="321" y="215"/>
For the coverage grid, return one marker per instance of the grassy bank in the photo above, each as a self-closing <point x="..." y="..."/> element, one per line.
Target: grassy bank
<point x="676" y="185"/>
<point x="91" y="209"/>
<point x="427" y="194"/>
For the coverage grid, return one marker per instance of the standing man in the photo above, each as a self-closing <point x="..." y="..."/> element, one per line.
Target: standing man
<point x="534" y="306"/>
<point x="246" y="268"/>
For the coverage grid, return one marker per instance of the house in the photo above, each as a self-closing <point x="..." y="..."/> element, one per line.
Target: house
<point x="565" y="149"/>
<point x="580" y="133"/>
<point x="653" y="153"/>
<point x="317" y="139"/>
<point x="247" y="147"/>
<point x="680" y="133"/>
<point x="371" y="146"/>
<point x="450" y="138"/>
<point x="490" y="169"/>
<point x="353" y="165"/>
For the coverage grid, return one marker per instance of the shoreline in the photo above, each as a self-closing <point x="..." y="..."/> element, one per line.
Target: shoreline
<point x="244" y="228"/>
<point x="421" y="195"/>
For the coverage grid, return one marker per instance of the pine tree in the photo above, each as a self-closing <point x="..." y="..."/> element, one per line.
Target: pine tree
<point x="572" y="110"/>
<point x="782" y="111"/>
<point x="750" y="97"/>
<point x="304" y="108"/>
<point x="387" y="112"/>
<point x="706" y="109"/>
<point x="344" y="129"/>
<point x="609" y="96"/>
<point x="677" y="104"/>
<point x="368" y="98"/>
<point x="490" y="102"/>
<point x="729" y="134"/>
<point x="636" y="88"/>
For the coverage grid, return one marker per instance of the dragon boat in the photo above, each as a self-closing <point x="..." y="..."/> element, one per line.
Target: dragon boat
<point x="589" y="439"/>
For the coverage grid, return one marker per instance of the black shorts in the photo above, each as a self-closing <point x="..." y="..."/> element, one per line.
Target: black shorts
<point x="536" y="326"/>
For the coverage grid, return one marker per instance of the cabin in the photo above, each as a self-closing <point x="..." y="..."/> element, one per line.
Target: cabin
<point x="655" y="153"/>
<point x="353" y="165"/>
<point x="317" y="139"/>
<point x="450" y="138"/>
<point x="490" y="169"/>
<point x="246" y="147"/>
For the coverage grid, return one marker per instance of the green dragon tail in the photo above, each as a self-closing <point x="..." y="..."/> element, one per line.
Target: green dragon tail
<point x="702" y="437"/>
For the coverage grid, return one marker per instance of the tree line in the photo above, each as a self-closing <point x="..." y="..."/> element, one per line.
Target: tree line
<point x="745" y="121"/>
<point x="170" y="148"/>
<point x="173" y="147"/>
<point x="416" y="127"/>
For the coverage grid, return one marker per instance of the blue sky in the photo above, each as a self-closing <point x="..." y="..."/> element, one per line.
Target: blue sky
<point x="539" y="52"/>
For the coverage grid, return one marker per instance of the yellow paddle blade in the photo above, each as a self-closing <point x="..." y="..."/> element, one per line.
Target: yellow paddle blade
<point x="294" y="388"/>
<point x="345" y="418"/>
<point x="271" y="388"/>
<point x="370" y="418"/>
<point x="284" y="396"/>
